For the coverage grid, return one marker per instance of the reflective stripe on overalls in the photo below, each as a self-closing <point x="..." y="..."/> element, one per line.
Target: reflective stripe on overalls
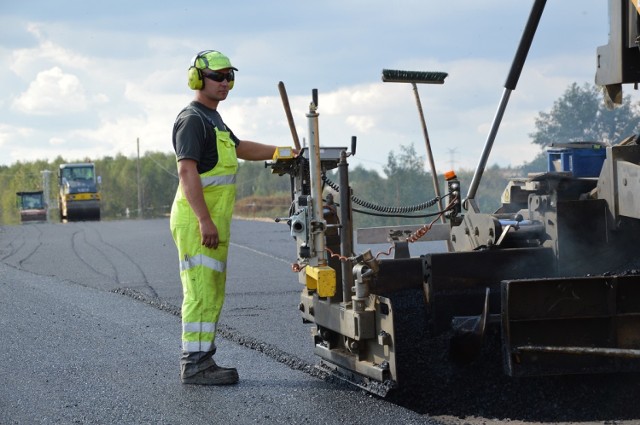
<point x="203" y="270"/>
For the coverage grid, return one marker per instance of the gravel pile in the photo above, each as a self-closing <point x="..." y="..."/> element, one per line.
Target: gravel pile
<point x="481" y="389"/>
<point x="434" y="385"/>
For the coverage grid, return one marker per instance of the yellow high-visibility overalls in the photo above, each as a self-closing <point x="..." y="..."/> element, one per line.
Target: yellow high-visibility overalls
<point x="202" y="269"/>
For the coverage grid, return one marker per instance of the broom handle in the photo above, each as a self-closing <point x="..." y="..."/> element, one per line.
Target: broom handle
<point x="287" y="111"/>
<point x="509" y="86"/>
<point x="434" y="175"/>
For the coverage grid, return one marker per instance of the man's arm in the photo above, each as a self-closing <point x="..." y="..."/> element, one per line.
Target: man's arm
<point x="192" y="188"/>
<point x="253" y="151"/>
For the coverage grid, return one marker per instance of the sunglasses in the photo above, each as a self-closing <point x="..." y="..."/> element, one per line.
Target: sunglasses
<point x="221" y="76"/>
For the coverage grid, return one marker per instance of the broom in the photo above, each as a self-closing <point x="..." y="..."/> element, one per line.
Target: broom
<point x="427" y="77"/>
<point x="415" y="77"/>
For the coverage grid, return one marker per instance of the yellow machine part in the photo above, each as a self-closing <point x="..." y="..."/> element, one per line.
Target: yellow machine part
<point x="283" y="152"/>
<point x="322" y="279"/>
<point x="283" y="160"/>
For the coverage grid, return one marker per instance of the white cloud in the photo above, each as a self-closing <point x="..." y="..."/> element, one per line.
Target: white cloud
<point x="57" y="141"/>
<point x="361" y="123"/>
<point x="52" y="93"/>
<point x="24" y="61"/>
<point x="10" y="134"/>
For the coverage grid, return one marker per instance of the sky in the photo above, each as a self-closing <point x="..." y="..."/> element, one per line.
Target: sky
<point x="86" y="79"/>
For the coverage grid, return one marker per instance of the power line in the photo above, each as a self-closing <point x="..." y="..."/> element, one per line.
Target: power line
<point x="160" y="165"/>
<point x="452" y="157"/>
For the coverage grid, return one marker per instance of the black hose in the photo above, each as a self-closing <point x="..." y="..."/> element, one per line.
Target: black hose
<point x="397" y="215"/>
<point x="383" y="208"/>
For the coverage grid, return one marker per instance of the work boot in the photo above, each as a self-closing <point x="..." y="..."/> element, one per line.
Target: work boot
<point x="213" y="375"/>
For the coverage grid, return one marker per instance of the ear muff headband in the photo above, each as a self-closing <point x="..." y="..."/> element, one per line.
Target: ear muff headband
<point x="201" y="56"/>
<point x="194" y="74"/>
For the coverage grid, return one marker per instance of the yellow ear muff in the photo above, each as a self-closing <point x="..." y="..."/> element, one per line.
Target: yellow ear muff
<point x="194" y="74"/>
<point x="195" y="80"/>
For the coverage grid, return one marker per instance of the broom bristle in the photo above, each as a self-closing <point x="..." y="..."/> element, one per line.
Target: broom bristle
<point x="427" y="77"/>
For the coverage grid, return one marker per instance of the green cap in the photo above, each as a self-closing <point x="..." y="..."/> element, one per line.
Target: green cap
<point x="213" y="60"/>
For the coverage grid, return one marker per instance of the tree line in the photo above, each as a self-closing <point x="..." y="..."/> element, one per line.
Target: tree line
<point x="259" y="192"/>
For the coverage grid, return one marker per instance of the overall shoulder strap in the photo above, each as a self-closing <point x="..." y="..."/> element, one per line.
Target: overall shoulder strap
<point x="201" y="114"/>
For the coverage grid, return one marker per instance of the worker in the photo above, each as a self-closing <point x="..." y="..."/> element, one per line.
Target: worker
<point x="206" y="152"/>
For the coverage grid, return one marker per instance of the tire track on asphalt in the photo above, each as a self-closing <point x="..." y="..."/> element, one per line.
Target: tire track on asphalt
<point x="38" y="245"/>
<point x="76" y="251"/>
<point x="12" y="248"/>
<point x="145" y="279"/>
<point x="24" y="239"/>
<point x="114" y="265"/>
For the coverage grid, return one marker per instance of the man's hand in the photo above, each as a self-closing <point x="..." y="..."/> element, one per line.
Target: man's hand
<point x="209" y="234"/>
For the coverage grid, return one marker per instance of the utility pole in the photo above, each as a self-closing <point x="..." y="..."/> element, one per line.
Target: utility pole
<point x="138" y="178"/>
<point x="46" y="189"/>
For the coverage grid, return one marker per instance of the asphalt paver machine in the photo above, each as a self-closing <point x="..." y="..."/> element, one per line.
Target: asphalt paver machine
<point x="555" y="268"/>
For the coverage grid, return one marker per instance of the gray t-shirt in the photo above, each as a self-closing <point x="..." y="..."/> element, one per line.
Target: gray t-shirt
<point x="194" y="136"/>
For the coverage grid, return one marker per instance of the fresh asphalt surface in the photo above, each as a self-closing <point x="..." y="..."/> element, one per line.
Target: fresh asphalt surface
<point x="90" y="332"/>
